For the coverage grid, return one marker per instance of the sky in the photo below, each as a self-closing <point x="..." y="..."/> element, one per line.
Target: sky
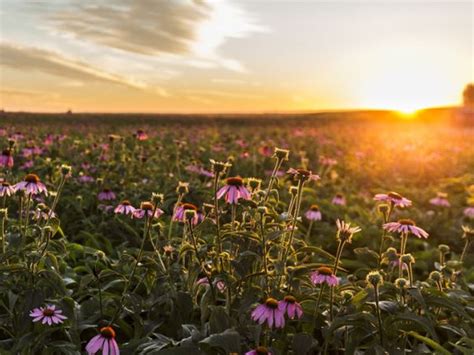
<point x="233" y="56"/>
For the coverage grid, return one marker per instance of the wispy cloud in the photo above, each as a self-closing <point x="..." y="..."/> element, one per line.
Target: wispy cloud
<point x="34" y="59"/>
<point x="193" y="30"/>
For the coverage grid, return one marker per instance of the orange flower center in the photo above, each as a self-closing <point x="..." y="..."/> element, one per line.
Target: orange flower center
<point x="314" y="208"/>
<point x="324" y="270"/>
<point x="107" y="332"/>
<point x="394" y="195"/>
<point x="146" y="206"/>
<point x="272" y="303"/>
<point x="234" y="181"/>
<point x="126" y="203"/>
<point x="406" y="222"/>
<point x="189" y="206"/>
<point x="289" y="299"/>
<point x="32" y="178"/>
<point x="48" y="312"/>
<point x="261" y="350"/>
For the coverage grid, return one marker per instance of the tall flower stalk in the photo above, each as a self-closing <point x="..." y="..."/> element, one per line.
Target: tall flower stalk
<point x="280" y="156"/>
<point x="375" y="280"/>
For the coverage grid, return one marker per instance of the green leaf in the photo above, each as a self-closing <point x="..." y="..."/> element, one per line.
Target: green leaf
<point x="430" y="342"/>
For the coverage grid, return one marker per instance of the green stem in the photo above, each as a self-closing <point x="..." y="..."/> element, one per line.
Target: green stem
<point x="464" y="251"/>
<point x="379" y="315"/>
<point x="277" y="166"/>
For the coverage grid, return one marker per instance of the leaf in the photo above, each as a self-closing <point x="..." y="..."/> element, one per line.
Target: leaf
<point x="430" y="342"/>
<point x="229" y="341"/>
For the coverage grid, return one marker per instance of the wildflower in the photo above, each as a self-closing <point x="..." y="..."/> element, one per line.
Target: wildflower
<point x="125" y="207"/>
<point x="106" y="195"/>
<point x="219" y="167"/>
<point x="281" y="154"/>
<point x="182" y="188"/>
<point x="31" y="185"/>
<point x="48" y="314"/>
<point x="43" y="212"/>
<point x="234" y="190"/>
<point x="345" y="231"/>
<point x="85" y="178"/>
<point x="405" y="226"/>
<point x="6" y="189"/>
<point x="254" y="184"/>
<point x="199" y="170"/>
<point x="141" y="135"/>
<point x="327" y="161"/>
<point x="6" y="158"/>
<point x="324" y="275"/>
<point x="291" y="307"/>
<point x="401" y="283"/>
<point x="261" y="350"/>
<point x="374" y="278"/>
<point x="146" y="209"/>
<point x="440" y="200"/>
<point x="469" y="212"/>
<point x="168" y="249"/>
<point x="181" y="211"/>
<point x="339" y="199"/>
<point x="303" y="174"/>
<point x="313" y="214"/>
<point x="436" y="276"/>
<point x="468" y="233"/>
<point x="394" y="199"/>
<point x="104" y="341"/>
<point x="272" y="312"/>
<point x="265" y="150"/>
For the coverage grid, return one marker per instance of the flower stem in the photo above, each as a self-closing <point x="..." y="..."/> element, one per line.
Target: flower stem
<point x="272" y="179"/>
<point x="464" y="251"/>
<point x="379" y="315"/>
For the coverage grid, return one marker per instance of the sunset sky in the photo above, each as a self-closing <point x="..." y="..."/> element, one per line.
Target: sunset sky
<point x="233" y="56"/>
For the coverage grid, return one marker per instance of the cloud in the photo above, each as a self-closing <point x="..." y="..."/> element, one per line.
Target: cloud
<point x="18" y="93"/>
<point x="34" y="59"/>
<point x="193" y="29"/>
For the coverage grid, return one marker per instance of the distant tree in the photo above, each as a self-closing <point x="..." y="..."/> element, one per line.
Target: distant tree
<point x="468" y="95"/>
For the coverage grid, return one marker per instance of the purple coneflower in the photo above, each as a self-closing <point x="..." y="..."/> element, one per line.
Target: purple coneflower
<point x="261" y="350"/>
<point x="323" y="275"/>
<point x="291" y="307"/>
<point x="234" y="190"/>
<point x="6" y="159"/>
<point x="345" y="231"/>
<point x="405" y="226"/>
<point x="181" y="211"/>
<point x="27" y="165"/>
<point x="104" y="341"/>
<point x="86" y="179"/>
<point x="313" y="214"/>
<point x="6" y="189"/>
<point x="303" y="174"/>
<point x="469" y="212"/>
<point x="31" y="185"/>
<point x="141" y="135"/>
<point x="339" y="199"/>
<point x="205" y="281"/>
<point x="125" y="207"/>
<point x="440" y="200"/>
<point x="48" y="314"/>
<point x="106" y="195"/>
<point x="272" y="312"/>
<point x="394" y="199"/>
<point x="146" y="209"/>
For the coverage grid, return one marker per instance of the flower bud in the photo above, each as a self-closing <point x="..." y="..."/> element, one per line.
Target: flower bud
<point x="219" y="167"/>
<point x="401" y="283"/>
<point x="66" y="170"/>
<point x="182" y="188"/>
<point x="436" y="276"/>
<point x="374" y="278"/>
<point x="443" y="248"/>
<point x="262" y="210"/>
<point x="189" y="214"/>
<point x="293" y="190"/>
<point x="157" y="198"/>
<point x="407" y="259"/>
<point x="281" y="154"/>
<point x="3" y="213"/>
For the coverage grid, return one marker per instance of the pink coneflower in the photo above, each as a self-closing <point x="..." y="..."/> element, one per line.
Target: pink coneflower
<point x="313" y="214"/>
<point x="104" y="341"/>
<point x="324" y="275"/>
<point x="48" y="314"/>
<point x="199" y="170"/>
<point x="181" y="211"/>
<point x="405" y="226"/>
<point x="327" y="161"/>
<point x="339" y="199"/>
<point x="6" y="189"/>
<point x="86" y="179"/>
<point x="440" y="200"/>
<point x="271" y="312"/>
<point x="303" y="174"/>
<point x="261" y="350"/>
<point x="141" y="135"/>
<point x="105" y="208"/>
<point x="6" y="158"/>
<point x="27" y="165"/>
<point x="234" y="190"/>
<point x="125" y="207"/>
<point x="469" y="212"/>
<point x="266" y="151"/>
<point x="291" y="307"/>
<point x="43" y="214"/>
<point x="394" y="199"/>
<point x="31" y="185"/>
<point x="146" y="209"/>
<point x="106" y="195"/>
<point x="279" y="173"/>
<point x="345" y="231"/>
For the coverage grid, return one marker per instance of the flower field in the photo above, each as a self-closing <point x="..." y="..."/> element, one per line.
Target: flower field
<point x="325" y="235"/>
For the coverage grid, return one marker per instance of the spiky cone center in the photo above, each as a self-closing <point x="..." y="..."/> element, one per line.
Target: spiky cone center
<point x="235" y="181"/>
<point x="314" y="208"/>
<point x="107" y="332"/>
<point x="394" y="195"/>
<point x="189" y="207"/>
<point x="48" y="312"/>
<point x="345" y="235"/>
<point x="32" y="178"/>
<point x="339" y="195"/>
<point x="289" y="299"/>
<point x="407" y="222"/>
<point x="147" y="206"/>
<point x="7" y="152"/>
<point x="324" y="270"/>
<point x="374" y="278"/>
<point x="106" y="190"/>
<point x="261" y="350"/>
<point x="271" y="303"/>
<point x="125" y="203"/>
